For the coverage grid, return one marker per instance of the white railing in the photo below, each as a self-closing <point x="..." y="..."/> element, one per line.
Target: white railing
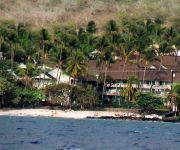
<point x="114" y="89"/>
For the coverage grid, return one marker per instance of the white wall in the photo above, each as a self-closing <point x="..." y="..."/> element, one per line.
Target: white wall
<point x="178" y="53"/>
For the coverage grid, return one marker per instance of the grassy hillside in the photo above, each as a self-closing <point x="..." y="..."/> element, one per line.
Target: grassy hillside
<point x="45" y="13"/>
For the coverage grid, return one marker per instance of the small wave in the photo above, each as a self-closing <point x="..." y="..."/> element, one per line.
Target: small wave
<point x="136" y="131"/>
<point x="177" y="141"/>
<point x="35" y="142"/>
<point x="19" y="128"/>
<point x="73" y="147"/>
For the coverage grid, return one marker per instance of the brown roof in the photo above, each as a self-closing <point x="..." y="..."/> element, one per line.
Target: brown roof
<point x="115" y="71"/>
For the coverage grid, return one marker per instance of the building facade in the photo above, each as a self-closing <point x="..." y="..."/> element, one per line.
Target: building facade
<point x="157" y="77"/>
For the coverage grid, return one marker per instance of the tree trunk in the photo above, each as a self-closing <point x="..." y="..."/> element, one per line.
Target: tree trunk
<point x="122" y="76"/>
<point x="44" y="70"/>
<point x="104" y="84"/>
<point x="42" y="63"/>
<point x="174" y="106"/>
<point x="69" y="80"/>
<point x="144" y="75"/>
<point x="117" y="93"/>
<point x="12" y="59"/>
<point x="59" y="66"/>
<point x="161" y="58"/>
<point x="27" y="71"/>
<point x="124" y="68"/>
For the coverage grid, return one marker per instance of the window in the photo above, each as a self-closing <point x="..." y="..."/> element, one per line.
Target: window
<point x="148" y="82"/>
<point x="124" y="81"/>
<point x="160" y="83"/>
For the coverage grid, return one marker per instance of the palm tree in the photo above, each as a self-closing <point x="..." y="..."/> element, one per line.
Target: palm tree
<point x="105" y="58"/>
<point x="111" y="27"/>
<point x="1" y="37"/>
<point x="164" y="48"/>
<point x="44" y="39"/>
<point x="126" y="49"/>
<point x="60" y="46"/>
<point x="129" y="92"/>
<point x="174" y="96"/>
<point x="30" y="53"/>
<point x="13" y="38"/>
<point x="148" y="57"/>
<point x="76" y="65"/>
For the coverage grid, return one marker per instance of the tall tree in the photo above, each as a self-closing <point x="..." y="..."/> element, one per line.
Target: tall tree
<point x="148" y="57"/>
<point x="44" y="37"/>
<point x="164" y="49"/>
<point x="76" y="65"/>
<point x="91" y="27"/>
<point x="105" y="58"/>
<point x="129" y="92"/>
<point x="174" y="96"/>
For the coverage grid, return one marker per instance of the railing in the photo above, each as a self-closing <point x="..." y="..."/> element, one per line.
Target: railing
<point x="159" y="90"/>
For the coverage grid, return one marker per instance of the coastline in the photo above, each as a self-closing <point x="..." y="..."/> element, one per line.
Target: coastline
<point x="64" y="113"/>
<point x="71" y="114"/>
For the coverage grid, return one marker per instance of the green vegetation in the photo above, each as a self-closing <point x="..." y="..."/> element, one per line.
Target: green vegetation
<point x="79" y="96"/>
<point x="129" y="93"/>
<point x="14" y="94"/>
<point x="174" y="97"/>
<point x="148" y="101"/>
<point x="69" y="47"/>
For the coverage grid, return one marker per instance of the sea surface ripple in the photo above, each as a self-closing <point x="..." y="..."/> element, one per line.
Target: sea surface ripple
<point x="41" y="133"/>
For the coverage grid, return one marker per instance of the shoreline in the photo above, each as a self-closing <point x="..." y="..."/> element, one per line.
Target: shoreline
<point x="71" y="114"/>
<point x="64" y="113"/>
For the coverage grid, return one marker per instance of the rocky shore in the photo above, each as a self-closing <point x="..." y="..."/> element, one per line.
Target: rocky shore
<point x="85" y="114"/>
<point x="151" y="117"/>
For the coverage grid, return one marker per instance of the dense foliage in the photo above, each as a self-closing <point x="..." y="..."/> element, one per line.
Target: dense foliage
<point x="148" y="102"/>
<point x="66" y="95"/>
<point x="70" y="48"/>
<point x="174" y="97"/>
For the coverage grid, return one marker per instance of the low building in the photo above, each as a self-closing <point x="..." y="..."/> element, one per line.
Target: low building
<point x="60" y="77"/>
<point x="42" y="80"/>
<point x="54" y="76"/>
<point x="157" y="78"/>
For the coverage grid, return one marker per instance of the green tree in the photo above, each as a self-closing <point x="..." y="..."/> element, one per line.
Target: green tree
<point x="111" y="26"/>
<point x="6" y="91"/>
<point x="129" y="92"/>
<point x="105" y="58"/>
<point x="13" y="38"/>
<point x="91" y="27"/>
<point x="84" y="96"/>
<point x="44" y="37"/>
<point x="174" y="96"/>
<point x="76" y="65"/>
<point x="59" y="94"/>
<point x="148" y="102"/>
<point x="149" y="55"/>
<point x="164" y="49"/>
<point x="59" y="55"/>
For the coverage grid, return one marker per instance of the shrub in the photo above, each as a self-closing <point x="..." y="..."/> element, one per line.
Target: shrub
<point x="27" y="96"/>
<point x="6" y="91"/>
<point x="148" y="101"/>
<point x="67" y="95"/>
<point x="59" y="94"/>
<point x="91" y="27"/>
<point x="84" y="96"/>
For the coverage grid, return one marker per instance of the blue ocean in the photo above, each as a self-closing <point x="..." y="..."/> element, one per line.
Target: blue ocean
<point x="41" y="133"/>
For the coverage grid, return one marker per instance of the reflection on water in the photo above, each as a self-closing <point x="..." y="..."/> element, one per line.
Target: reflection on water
<point x="26" y="133"/>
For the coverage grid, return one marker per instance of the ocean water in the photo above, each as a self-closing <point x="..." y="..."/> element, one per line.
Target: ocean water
<point x="41" y="133"/>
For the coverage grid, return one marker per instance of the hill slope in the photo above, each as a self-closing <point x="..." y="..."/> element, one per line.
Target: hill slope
<point x="46" y="13"/>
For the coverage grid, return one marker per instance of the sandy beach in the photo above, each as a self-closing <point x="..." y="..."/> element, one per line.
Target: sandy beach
<point x="70" y="113"/>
